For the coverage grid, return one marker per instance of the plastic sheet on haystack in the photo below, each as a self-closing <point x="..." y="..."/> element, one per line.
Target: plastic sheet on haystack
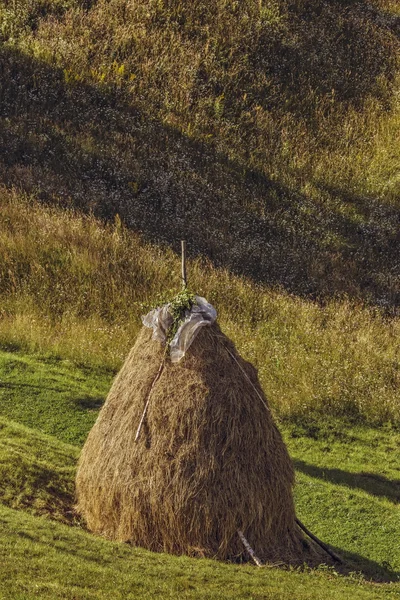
<point x="160" y="320"/>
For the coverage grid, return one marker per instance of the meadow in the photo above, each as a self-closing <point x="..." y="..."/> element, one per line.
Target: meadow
<point x="265" y="133"/>
<point x="347" y="492"/>
<point x="73" y="289"/>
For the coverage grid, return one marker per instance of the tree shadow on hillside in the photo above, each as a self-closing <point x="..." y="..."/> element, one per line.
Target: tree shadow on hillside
<point x="326" y="47"/>
<point x="83" y="146"/>
<point x="376" y="485"/>
<point x="332" y="47"/>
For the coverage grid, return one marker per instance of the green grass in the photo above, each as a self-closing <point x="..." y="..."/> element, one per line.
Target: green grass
<point x="36" y="472"/>
<point x="49" y="560"/>
<point x="51" y="395"/>
<point x="347" y="493"/>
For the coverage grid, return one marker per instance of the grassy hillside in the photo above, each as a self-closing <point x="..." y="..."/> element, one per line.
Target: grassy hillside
<point x="265" y="132"/>
<point x="49" y="560"/>
<point x="52" y="561"/>
<point x="346" y="493"/>
<point x="74" y="288"/>
<point x="34" y="392"/>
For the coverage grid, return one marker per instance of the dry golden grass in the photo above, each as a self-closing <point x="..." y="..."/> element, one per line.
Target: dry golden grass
<point x="75" y="287"/>
<point x="264" y="132"/>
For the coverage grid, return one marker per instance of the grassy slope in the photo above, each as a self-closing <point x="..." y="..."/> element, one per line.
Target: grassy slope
<point x="345" y="493"/>
<point x="265" y="132"/>
<point x="49" y="560"/>
<point x="276" y="154"/>
<point x="348" y="490"/>
<point x="36" y="472"/>
<point x="51" y="395"/>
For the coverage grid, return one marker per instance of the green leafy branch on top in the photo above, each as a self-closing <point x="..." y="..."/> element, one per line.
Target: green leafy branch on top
<point x="178" y="306"/>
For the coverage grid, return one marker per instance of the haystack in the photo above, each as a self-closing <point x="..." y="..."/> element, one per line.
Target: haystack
<point x="209" y="462"/>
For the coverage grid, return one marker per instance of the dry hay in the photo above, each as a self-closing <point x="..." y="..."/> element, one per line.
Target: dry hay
<point x="209" y="460"/>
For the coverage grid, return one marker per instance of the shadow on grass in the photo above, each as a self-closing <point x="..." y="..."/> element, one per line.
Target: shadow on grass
<point x="373" y="484"/>
<point x="11" y="347"/>
<point x="38" y="488"/>
<point x="89" y="403"/>
<point x="358" y="566"/>
<point x="87" y="147"/>
<point x="84" y="403"/>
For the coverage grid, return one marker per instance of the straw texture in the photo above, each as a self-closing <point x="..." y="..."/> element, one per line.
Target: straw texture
<point x="209" y="460"/>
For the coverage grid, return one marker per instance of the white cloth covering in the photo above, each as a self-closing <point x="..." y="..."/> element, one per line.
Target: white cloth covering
<point x="160" y="320"/>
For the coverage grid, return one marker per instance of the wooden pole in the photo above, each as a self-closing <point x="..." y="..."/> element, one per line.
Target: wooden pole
<point x="184" y="280"/>
<point x="319" y="542"/>
<point x="249" y="549"/>
<point x="157" y="377"/>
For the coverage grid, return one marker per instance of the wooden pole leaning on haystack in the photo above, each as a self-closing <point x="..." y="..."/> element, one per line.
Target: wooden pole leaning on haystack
<point x="146" y="406"/>
<point x="299" y="523"/>
<point x="249" y="549"/>
<point x="319" y="542"/>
